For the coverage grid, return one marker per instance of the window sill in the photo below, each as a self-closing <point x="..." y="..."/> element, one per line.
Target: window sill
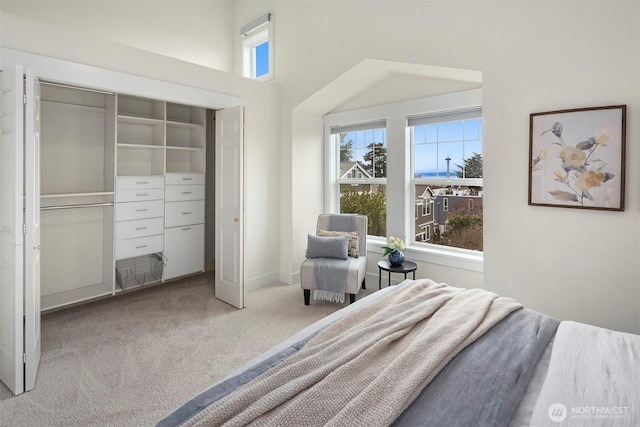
<point x="467" y="260"/>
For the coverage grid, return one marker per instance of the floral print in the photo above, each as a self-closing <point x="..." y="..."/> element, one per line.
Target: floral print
<point x="580" y="170"/>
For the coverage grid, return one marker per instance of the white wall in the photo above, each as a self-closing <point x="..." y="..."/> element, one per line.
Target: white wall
<point x="195" y="31"/>
<point x="534" y="56"/>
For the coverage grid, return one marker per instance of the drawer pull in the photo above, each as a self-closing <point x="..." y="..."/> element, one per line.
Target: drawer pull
<point x="142" y="194"/>
<point x="186" y="229"/>
<point x="141" y="228"/>
<point x="142" y="182"/>
<point x="186" y="179"/>
<point x="141" y="210"/>
<point x="141" y="247"/>
<point x="186" y="192"/>
<point x="186" y="213"/>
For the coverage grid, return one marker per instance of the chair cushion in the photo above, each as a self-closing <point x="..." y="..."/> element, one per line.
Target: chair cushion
<point x="356" y="274"/>
<point x="328" y="247"/>
<point x="354" y="240"/>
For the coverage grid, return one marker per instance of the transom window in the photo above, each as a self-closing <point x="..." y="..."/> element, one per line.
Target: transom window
<point x="257" y="48"/>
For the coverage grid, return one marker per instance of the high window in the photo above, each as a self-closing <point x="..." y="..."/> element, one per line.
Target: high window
<point x="362" y="171"/>
<point x="257" y="48"/>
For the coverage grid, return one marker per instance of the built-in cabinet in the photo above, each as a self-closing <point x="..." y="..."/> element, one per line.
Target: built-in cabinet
<point x="122" y="194"/>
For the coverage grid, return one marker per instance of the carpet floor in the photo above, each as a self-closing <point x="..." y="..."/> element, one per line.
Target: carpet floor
<point x="132" y="359"/>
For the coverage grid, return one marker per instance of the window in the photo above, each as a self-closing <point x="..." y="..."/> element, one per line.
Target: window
<point x="426" y="208"/>
<point x="400" y="196"/>
<point x="362" y="171"/>
<point x="447" y="161"/>
<point x="257" y="48"/>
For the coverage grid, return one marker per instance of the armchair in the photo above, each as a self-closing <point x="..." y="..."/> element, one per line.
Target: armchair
<point x="331" y="269"/>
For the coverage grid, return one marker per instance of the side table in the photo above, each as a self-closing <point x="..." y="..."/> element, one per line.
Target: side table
<point x="404" y="268"/>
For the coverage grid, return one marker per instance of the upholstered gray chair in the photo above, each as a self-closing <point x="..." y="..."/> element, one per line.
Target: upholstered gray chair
<point x="331" y="269"/>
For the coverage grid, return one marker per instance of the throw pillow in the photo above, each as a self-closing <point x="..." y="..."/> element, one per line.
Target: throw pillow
<point x="354" y="240"/>
<point x="328" y="247"/>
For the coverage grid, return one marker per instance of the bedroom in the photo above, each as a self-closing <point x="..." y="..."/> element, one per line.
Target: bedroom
<point x="534" y="56"/>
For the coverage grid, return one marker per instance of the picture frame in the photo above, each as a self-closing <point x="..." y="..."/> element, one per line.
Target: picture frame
<point x="577" y="158"/>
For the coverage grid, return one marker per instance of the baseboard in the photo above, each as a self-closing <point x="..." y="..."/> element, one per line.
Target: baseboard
<point x="294" y="279"/>
<point x="259" y="282"/>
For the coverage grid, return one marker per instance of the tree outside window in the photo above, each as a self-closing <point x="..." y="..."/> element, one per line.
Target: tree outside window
<point x="362" y="176"/>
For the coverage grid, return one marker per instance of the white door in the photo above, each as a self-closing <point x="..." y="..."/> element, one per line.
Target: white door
<point x="11" y="232"/>
<point x="229" y="207"/>
<point x="32" y="230"/>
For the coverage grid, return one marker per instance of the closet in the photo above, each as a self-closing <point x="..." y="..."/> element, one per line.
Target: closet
<point x="102" y="190"/>
<point x="122" y="192"/>
<point x="76" y="194"/>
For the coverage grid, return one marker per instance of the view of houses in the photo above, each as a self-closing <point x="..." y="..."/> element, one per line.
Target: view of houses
<point x="448" y="215"/>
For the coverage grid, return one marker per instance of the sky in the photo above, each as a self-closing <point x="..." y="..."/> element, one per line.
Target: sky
<point x="433" y="143"/>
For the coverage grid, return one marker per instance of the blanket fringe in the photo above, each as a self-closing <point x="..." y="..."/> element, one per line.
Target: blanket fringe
<point x="319" y="294"/>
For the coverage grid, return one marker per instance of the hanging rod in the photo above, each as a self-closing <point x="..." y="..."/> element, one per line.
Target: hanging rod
<point x="84" y="205"/>
<point x="45" y="82"/>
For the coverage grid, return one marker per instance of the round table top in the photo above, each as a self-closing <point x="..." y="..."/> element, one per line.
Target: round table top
<point x="405" y="267"/>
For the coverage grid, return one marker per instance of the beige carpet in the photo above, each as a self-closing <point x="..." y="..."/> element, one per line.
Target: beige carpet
<point x="132" y="359"/>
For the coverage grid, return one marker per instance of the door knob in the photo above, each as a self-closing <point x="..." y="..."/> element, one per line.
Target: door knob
<point x="235" y="219"/>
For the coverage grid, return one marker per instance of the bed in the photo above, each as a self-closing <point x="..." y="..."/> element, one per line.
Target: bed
<point x="429" y="354"/>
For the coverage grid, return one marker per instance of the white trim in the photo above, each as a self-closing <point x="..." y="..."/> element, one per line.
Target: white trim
<point x="263" y="281"/>
<point x="433" y="254"/>
<point x="72" y="73"/>
<point x="261" y="35"/>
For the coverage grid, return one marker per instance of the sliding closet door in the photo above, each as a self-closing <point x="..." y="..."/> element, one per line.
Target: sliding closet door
<point x="11" y="234"/>
<point x="229" y="209"/>
<point x="32" y="231"/>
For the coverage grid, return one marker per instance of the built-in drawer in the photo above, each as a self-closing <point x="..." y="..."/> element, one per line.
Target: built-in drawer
<point x="179" y="193"/>
<point x="139" y="210"/>
<point x="140" y="195"/>
<point x="139" y="182"/>
<point x="184" y="178"/>
<point x="183" y="213"/>
<point x="185" y="250"/>
<point x="141" y="246"/>
<point x="139" y="228"/>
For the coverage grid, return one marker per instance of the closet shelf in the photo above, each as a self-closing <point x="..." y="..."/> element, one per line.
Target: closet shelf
<point x="76" y="206"/>
<point x="173" y="147"/>
<point x="52" y="196"/>
<point x="140" y="146"/>
<point x="184" y="125"/>
<point x="71" y="106"/>
<point x="139" y="120"/>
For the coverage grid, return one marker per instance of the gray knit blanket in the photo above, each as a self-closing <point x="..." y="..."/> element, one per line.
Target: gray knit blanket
<point x="330" y="278"/>
<point x="366" y="368"/>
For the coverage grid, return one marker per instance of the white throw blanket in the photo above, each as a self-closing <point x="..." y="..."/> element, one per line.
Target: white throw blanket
<point x="593" y="379"/>
<point x="366" y="368"/>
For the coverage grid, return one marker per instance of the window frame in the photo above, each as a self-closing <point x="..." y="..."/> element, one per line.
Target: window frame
<point x="400" y="201"/>
<point x="360" y="179"/>
<point x="253" y="38"/>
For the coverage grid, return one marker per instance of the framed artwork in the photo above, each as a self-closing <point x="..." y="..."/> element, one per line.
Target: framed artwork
<point x="577" y="158"/>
